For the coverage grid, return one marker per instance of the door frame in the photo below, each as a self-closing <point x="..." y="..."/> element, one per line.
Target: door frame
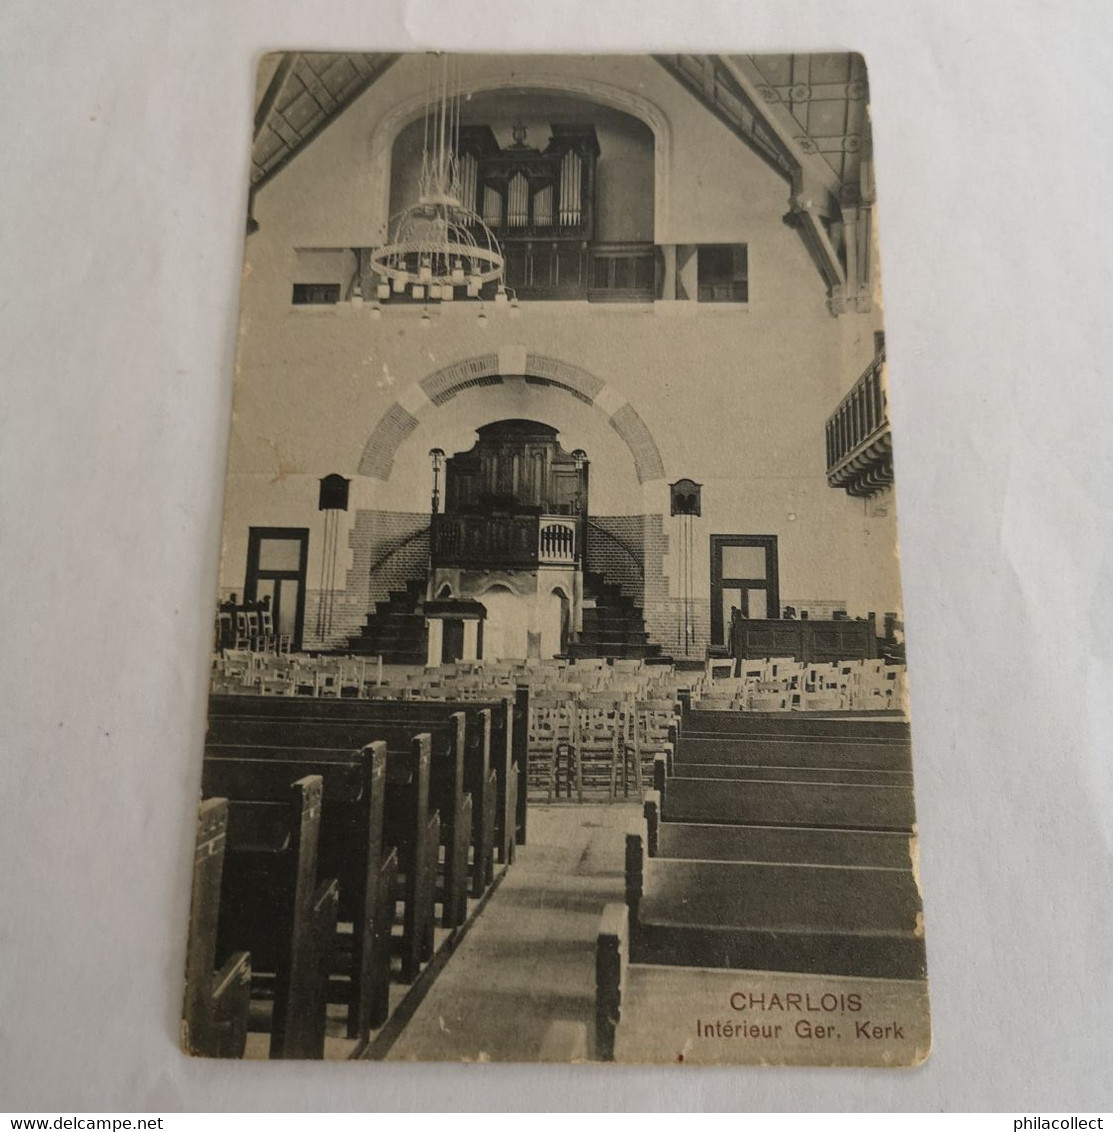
<point x="253" y="575"/>
<point x="770" y="583"/>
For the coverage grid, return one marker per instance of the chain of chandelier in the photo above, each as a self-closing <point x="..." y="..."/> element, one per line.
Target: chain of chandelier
<point x="438" y="248"/>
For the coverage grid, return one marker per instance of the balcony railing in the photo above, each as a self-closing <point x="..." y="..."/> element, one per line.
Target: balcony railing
<point x="859" y="441"/>
<point x="556" y="542"/>
<point x="600" y="273"/>
<point x="506" y="541"/>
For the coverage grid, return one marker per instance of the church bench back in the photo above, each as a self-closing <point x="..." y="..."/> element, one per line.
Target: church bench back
<point x="849" y="776"/>
<point x="827" y="919"/>
<point x="408" y="818"/>
<point x="273" y="907"/>
<point x="802" y="752"/>
<point x="827" y="805"/>
<point x="787" y="844"/>
<point x="448" y="751"/>
<point x="509" y="715"/>
<point x="350" y="847"/>
<point x="214" y="1016"/>
<point x="795" y="724"/>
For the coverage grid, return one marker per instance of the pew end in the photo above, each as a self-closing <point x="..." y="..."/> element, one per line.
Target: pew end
<point x="660" y="772"/>
<point x="214" y="1017"/>
<point x="635" y="875"/>
<point x="651" y="809"/>
<point x="612" y="955"/>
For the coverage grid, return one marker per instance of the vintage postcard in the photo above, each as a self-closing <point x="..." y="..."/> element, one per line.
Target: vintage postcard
<point x="558" y="706"/>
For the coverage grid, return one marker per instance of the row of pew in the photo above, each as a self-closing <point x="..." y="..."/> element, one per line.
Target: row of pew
<point x="340" y="842"/>
<point x="777" y="845"/>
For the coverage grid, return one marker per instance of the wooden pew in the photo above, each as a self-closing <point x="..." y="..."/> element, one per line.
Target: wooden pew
<point x="410" y="825"/>
<point x="850" y="754"/>
<point x="415" y="829"/>
<point x="771" y="843"/>
<point x="272" y="906"/>
<point x="828" y="919"/>
<point x="645" y="1012"/>
<point x="214" y="1017"/>
<point x="350" y="847"/>
<point x="509" y="758"/>
<point x="836" y="725"/>
<point x="851" y="776"/>
<point x="832" y="805"/>
<point x="508" y="747"/>
<point x="448" y="747"/>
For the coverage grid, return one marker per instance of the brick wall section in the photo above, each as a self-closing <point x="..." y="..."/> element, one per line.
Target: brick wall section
<point x="659" y="621"/>
<point x="378" y="455"/>
<point x="616" y="549"/>
<point x="665" y="621"/>
<point x="643" y="581"/>
<point x="389" y="548"/>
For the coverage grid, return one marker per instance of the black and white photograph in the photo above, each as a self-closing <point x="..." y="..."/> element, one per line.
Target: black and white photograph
<point x="556" y="558"/>
<point x="558" y="706"/>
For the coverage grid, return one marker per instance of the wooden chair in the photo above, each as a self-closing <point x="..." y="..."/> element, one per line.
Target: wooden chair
<point x="552" y="745"/>
<point x="600" y="726"/>
<point x="651" y="729"/>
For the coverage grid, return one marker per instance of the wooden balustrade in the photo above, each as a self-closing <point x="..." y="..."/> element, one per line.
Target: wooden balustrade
<point x="494" y="541"/>
<point x="859" y="442"/>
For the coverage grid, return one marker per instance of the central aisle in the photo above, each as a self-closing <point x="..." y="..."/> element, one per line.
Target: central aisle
<point x="529" y="959"/>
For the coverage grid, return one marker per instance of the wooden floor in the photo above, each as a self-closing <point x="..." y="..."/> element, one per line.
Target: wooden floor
<point x="529" y="959"/>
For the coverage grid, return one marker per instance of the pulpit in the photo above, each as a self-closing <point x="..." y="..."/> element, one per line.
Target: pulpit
<point x="511" y="538"/>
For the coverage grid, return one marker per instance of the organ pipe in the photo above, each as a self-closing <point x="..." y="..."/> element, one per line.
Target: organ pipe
<point x="469" y="173"/>
<point x="571" y="177"/>
<point x="492" y="206"/>
<point x="517" y="210"/>
<point x="543" y="207"/>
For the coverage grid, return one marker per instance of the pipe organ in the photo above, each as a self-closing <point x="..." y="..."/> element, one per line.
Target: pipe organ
<point x="539" y="203"/>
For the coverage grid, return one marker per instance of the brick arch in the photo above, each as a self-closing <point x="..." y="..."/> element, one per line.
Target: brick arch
<point x="437" y="389"/>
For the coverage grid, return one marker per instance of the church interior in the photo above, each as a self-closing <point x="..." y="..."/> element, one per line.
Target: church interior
<point x="558" y="672"/>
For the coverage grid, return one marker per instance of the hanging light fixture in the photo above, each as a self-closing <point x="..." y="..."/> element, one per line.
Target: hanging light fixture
<point x="438" y="243"/>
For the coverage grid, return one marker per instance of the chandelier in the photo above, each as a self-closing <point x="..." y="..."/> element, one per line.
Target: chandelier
<point x="438" y="246"/>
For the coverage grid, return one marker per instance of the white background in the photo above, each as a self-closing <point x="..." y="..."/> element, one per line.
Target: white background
<point x="123" y="183"/>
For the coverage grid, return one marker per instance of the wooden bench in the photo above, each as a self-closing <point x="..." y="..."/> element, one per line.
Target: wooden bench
<point x="508" y="742"/>
<point x="851" y="754"/>
<point x="350" y="847"/>
<point x="214" y="1017"/>
<point x="652" y="1013"/>
<point x="851" y="776"/>
<point x="448" y="750"/>
<point x="832" y="805"/>
<point x="827" y="919"/>
<point x="771" y="843"/>
<point x="509" y="758"/>
<point x="410" y="825"/>
<point x="834" y="725"/>
<point x="272" y="906"/>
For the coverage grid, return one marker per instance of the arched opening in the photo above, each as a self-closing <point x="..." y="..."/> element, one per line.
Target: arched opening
<point x="566" y="184"/>
<point x="556" y="631"/>
<point x="507" y="623"/>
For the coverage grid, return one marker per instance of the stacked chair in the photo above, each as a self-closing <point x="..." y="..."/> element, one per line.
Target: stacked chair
<point x="778" y="684"/>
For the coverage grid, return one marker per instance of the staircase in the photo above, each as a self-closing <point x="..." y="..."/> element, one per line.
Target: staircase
<point x="396" y="629"/>
<point x="613" y="626"/>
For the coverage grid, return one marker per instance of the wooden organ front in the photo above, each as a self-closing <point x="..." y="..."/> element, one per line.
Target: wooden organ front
<point x="516" y="499"/>
<point x="541" y="206"/>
